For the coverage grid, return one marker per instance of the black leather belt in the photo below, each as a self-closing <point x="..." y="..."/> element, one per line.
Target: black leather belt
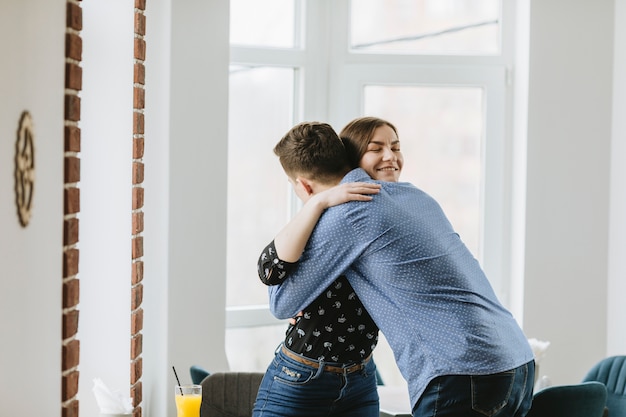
<point x="330" y="368"/>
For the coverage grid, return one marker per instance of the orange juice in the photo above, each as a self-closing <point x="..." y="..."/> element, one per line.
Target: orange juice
<point x="188" y="405"/>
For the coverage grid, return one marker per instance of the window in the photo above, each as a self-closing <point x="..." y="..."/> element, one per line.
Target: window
<point x="443" y="158"/>
<point x="437" y="69"/>
<point x="267" y="23"/>
<point x="266" y="67"/>
<point x="259" y="111"/>
<point x="432" y="26"/>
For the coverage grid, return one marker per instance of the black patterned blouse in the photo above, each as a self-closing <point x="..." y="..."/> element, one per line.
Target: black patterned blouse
<point x="334" y="328"/>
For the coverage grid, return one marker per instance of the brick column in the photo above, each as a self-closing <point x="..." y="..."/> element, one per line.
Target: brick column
<point x="136" y="312"/>
<point x="71" y="207"/>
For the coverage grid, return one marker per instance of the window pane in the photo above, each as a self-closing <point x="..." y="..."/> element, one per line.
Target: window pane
<point x="440" y="133"/>
<point x="260" y="112"/>
<point x="251" y="349"/>
<point x="269" y="23"/>
<point x="426" y="26"/>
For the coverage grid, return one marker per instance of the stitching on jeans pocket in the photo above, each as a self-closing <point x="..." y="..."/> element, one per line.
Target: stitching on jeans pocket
<point x="491" y="393"/>
<point x="290" y="376"/>
<point x="291" y="373"/>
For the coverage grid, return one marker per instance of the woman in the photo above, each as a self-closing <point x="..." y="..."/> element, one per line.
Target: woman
<point x="324" y="365"/>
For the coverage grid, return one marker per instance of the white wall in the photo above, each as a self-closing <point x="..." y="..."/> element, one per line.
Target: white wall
<point x="567" y="206"/>
<point x="32" y="40"/>
<point x="105" y="212"/>
<point x="186" y="156"/>
<point x="617" y="230"/>
<point x="157" y="376"/>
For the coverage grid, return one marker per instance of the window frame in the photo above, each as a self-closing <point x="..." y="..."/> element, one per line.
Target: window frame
<point x="322" y="58"/>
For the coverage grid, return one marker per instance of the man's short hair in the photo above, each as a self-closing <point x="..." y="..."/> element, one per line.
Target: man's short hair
<point x="313" y="150"/>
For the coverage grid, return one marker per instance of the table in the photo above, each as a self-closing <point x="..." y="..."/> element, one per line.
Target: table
<point x="394" y="401"/>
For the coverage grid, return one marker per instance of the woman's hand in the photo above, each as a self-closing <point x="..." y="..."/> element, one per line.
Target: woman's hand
<point x="291" y="240"/>
<point x="342" y="193"/>
<point x="294" y="319"/>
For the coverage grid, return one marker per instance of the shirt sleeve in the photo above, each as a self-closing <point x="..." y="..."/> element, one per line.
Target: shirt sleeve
<point x="330" y="251"/>
<point x="272" y="270"/>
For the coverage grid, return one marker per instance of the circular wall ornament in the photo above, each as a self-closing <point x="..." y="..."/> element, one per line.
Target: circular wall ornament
<point x="24" y="168"/>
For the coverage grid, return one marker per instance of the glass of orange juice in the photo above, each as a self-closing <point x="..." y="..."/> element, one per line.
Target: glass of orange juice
<point x="188" y="400"/>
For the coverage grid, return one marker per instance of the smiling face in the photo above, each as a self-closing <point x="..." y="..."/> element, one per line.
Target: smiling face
<point x="383" y="159"/>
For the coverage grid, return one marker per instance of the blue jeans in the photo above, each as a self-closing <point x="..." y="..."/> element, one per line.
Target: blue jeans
<point x="507" y="394"/>
<point x="292" y="389"/>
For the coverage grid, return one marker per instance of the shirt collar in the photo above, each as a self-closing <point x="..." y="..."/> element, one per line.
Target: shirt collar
<point x="357" y="174"/>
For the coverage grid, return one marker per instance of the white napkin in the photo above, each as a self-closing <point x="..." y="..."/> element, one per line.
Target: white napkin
<point x="539" y="348"/>
<point x="111" y="402"/>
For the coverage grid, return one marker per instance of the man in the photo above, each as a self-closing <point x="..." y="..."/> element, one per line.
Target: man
<point x="323" y="367"/>
<point x="461" y="352"/>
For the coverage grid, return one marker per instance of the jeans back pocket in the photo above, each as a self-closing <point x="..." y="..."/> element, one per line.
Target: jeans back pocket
<point x="491" y="393"/>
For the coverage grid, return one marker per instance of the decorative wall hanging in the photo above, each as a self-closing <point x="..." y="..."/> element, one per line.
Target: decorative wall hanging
<point x="24" y="168"/>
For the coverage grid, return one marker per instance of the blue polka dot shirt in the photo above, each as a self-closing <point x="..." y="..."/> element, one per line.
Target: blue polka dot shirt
<point x="419" y="282"/>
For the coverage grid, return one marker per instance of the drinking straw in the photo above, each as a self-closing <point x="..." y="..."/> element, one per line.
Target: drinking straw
<point x="178" y="380"/>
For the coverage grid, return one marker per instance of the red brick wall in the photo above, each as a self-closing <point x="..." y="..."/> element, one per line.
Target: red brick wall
<point x="72" y="136"/>
<point x="71" y="207"/>
<point x="136" y="276"/>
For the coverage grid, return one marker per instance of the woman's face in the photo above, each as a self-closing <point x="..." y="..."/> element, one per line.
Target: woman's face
<point x="383" y="160"/>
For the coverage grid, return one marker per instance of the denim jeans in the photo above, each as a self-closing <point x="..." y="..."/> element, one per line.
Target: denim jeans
<point x="507" y="394"/>
<point x="292" y="389"/>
